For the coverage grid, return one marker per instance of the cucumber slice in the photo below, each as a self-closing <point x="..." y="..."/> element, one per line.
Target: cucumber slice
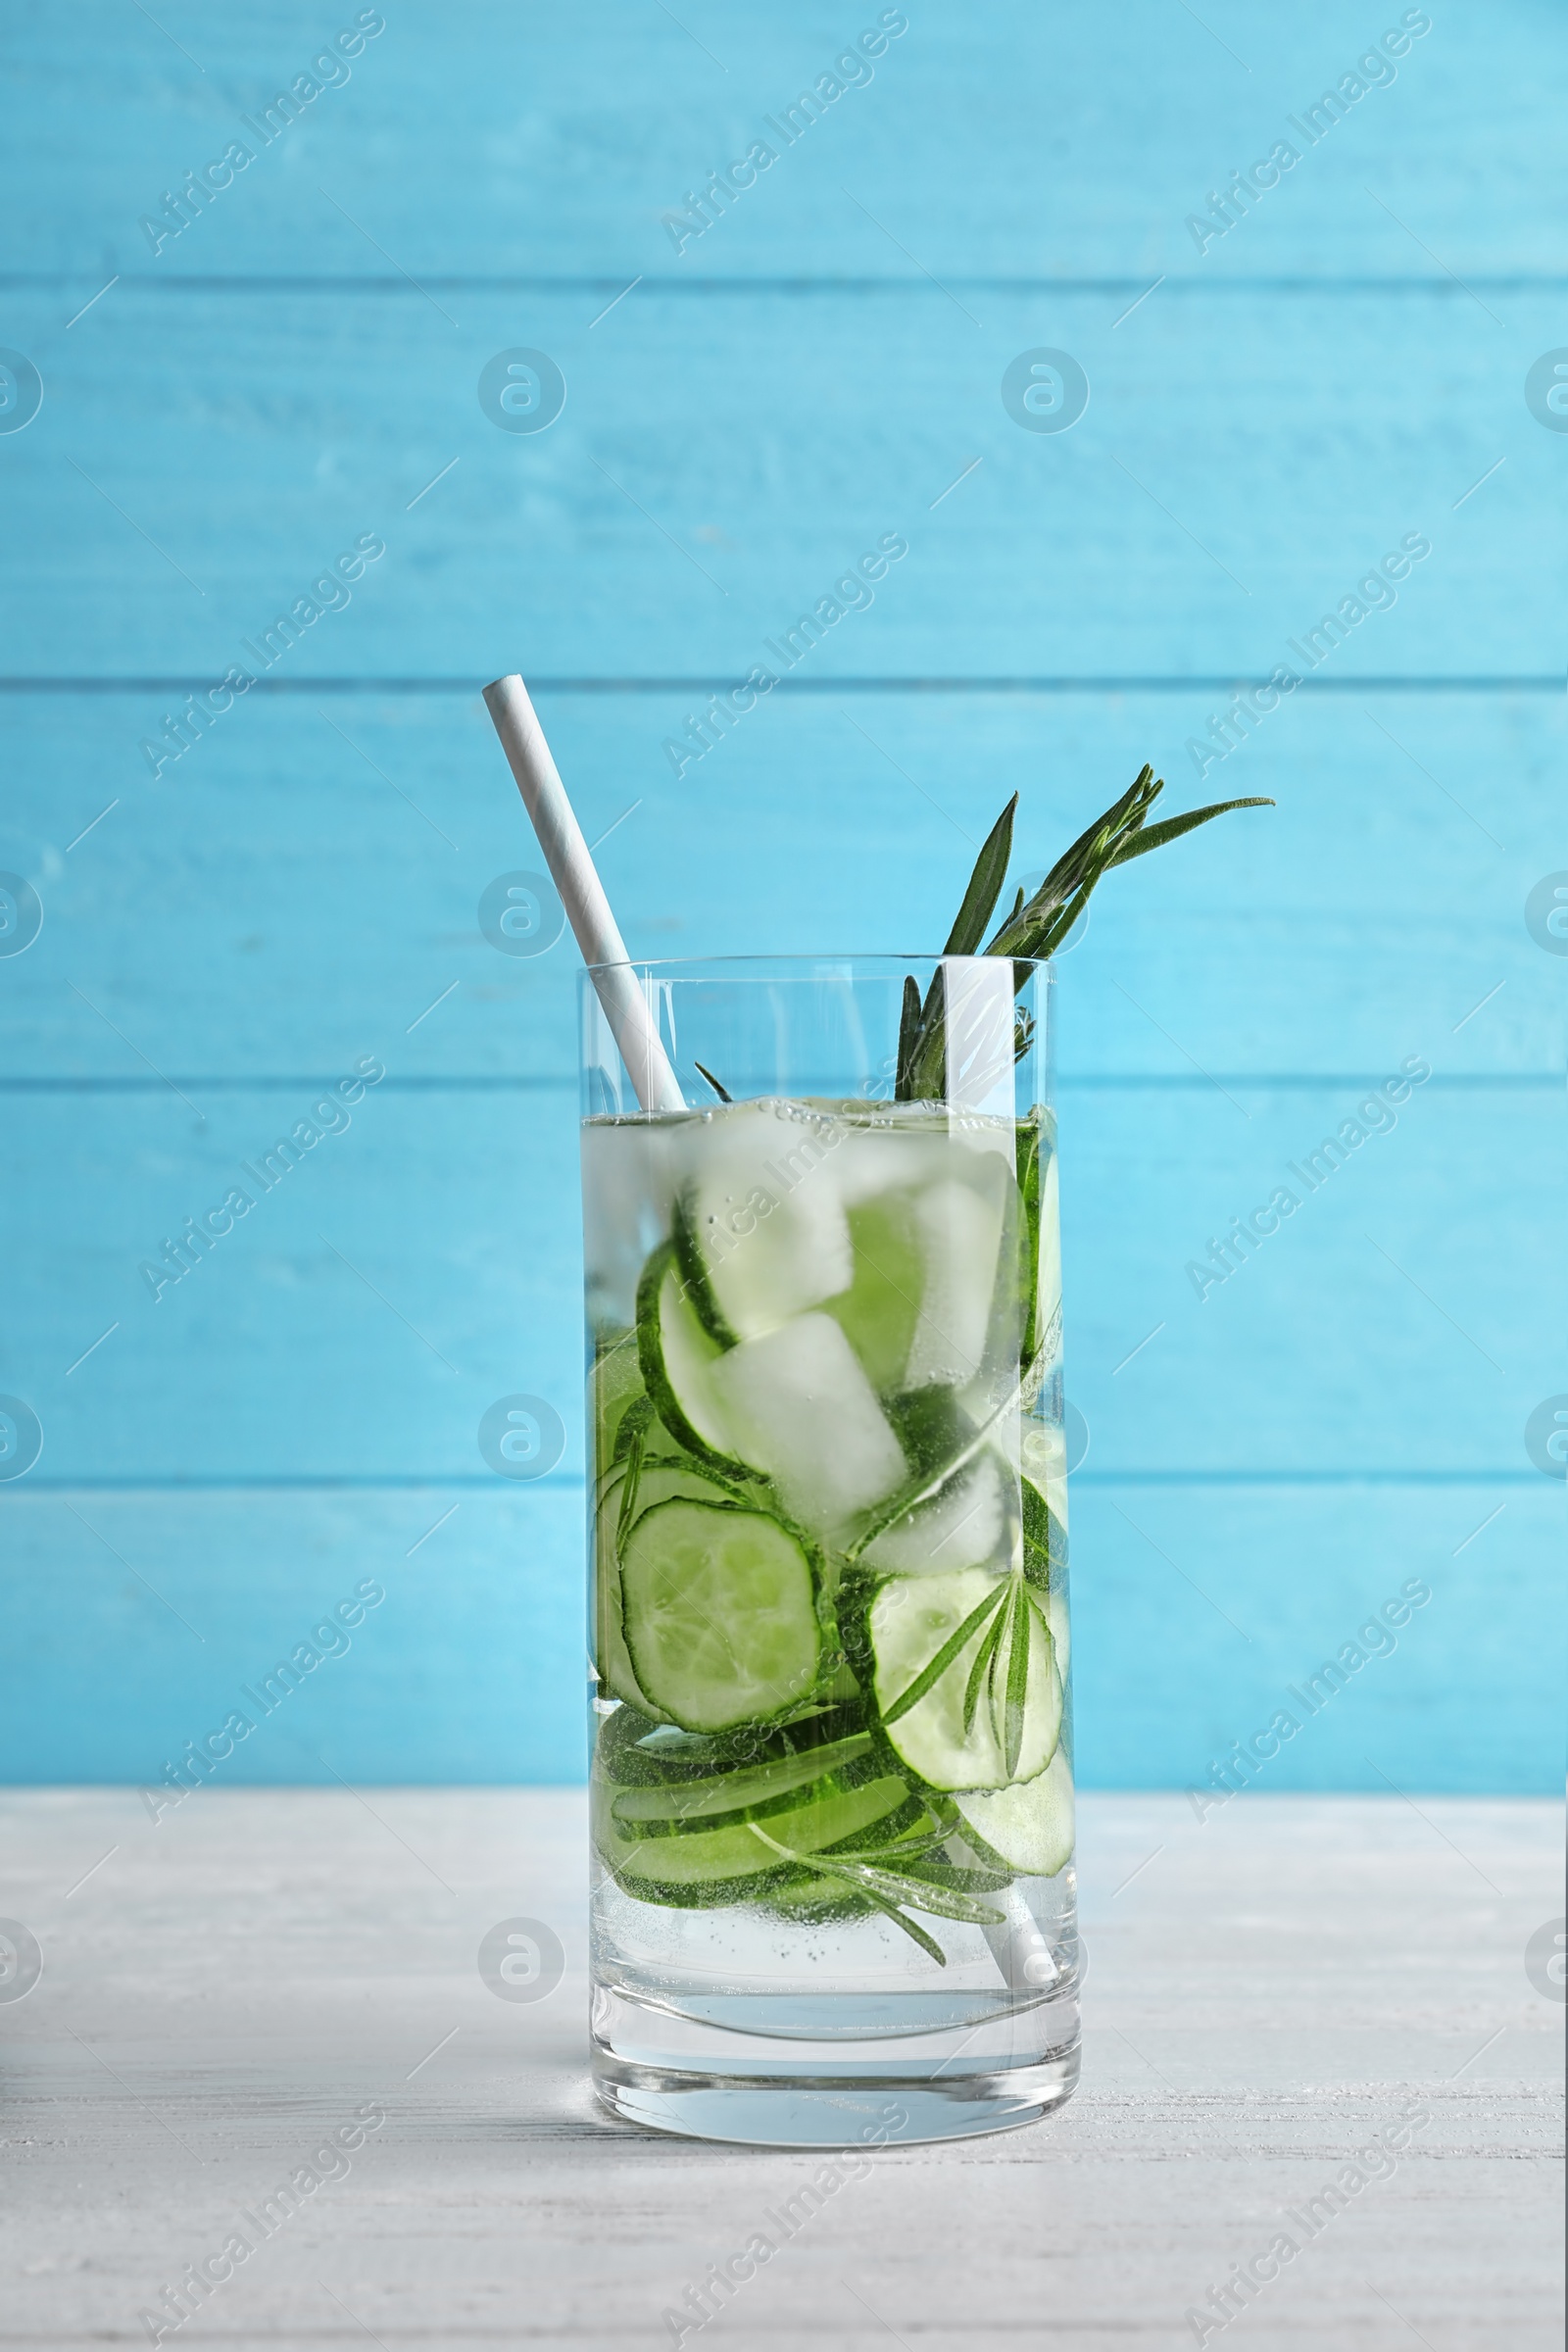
<point x="635" y="1753"/>
<point x="966" y="1525"/>
<point x="720" y="1611"/>
<point x="801" y="1409"/>
<point x="678" y="1802"/>
<point x="1031" y="1827"/>
<point x="655" y="1482"/>
<point x="914" y="1621"/>
<point x="959" y="1227"/>
<point x="695" y="1858"/>
<point x="677" y="1356"/>
<point x="765" y="1216"/>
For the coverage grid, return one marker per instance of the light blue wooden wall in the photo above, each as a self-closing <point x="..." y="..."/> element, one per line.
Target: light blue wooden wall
<point x="816" y="369"/>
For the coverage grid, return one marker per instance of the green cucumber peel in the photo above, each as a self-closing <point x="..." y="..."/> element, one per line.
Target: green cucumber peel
<point x="693" y="1275"/>
<point x="650" y="1352"/>
<point x="737" y="1791"/>
<point x="636" y="1750"/>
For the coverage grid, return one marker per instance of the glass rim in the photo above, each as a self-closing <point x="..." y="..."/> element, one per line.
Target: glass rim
<point x="698" y="965"/>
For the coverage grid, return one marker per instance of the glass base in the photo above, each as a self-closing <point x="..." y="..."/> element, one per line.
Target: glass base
<point x="678" y="2074"/>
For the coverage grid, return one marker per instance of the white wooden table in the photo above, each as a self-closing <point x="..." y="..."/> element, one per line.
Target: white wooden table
<point x="1265" y="1992"/>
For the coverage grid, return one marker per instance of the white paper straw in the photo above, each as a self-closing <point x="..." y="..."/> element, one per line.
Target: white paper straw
<point x="628" y="1010"/>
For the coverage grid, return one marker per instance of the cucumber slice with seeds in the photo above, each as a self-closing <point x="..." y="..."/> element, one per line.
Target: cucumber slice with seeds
<point x="954" y="1735"/>
<point x="1030" y="1827"/>
<point x="719" y="1604"/>
<point x="656" y="1482"/>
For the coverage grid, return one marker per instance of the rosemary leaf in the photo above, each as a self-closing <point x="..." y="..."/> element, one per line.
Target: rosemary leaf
<point x="909" y="1036"/>
<point x="943" y="1658"/>
<point x="912" y="1928"/>
<point x="979" y="1671"/>
<point x="942" y="1902"/>
<point x="985" y="887"/>
<point x="1035" y="930"/>
<point x="1017" y="1674"/>
<point x="1156" y="836"/>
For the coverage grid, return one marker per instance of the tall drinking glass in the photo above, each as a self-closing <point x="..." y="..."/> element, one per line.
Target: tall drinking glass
<point x="831" y="1784"/>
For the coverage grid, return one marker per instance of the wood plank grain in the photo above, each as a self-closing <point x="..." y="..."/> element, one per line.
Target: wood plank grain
<point x="1259" y="1474"/>
<point x="576" y="137"/>
<point x="717" y="467"/>
<point x="276" y="905"/>
<point x="371" y="1305"/>
<point x="822" y="364"/>
<point x="141" y="1620"/>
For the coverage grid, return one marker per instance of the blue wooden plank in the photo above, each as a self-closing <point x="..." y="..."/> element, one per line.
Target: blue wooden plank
<point x="1239" y="1599"/>
<point x="1376" y="1257"/>
<point x="274" y="904"/>
<point x="145" y="1623"/>
<point x="1068" y="146"/>
<point x="364" y="1313"/>
<point x="205" y="460"/>
<point x="1279" y="408"/>
<point x="470" y="1670"/>
<point x="356" y="1320"/>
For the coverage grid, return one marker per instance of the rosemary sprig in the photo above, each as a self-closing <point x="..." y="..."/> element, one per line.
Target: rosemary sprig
<point x="891" y="1890"/>
<point x="980" y="1671"/>
<point x="922" y="1023"/>
<point x="1036" y="929"/>
<point x="938" y="1666"/>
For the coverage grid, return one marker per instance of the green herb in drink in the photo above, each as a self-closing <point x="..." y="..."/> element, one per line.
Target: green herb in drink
<point x="1033" y="931"/>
